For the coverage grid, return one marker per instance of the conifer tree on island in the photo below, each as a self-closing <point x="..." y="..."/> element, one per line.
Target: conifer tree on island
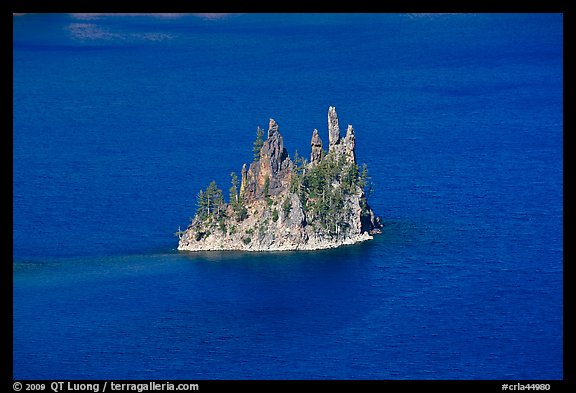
<point x="257" y="146"/>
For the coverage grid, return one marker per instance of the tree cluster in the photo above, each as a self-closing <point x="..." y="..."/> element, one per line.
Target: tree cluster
<point x="324" y="187"/>
<point x="210" y="201"/>
<point x="236" y="201"/>
<point x="257" y="145"/>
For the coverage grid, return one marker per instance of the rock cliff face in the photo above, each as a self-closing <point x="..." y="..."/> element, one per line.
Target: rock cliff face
<point x="271" y="174"/>
<point x="316" y="144"/>
<point x="282" y="205"/>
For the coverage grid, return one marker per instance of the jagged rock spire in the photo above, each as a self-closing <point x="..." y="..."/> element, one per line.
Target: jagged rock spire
<point x="272" y="128"/>
<point x="273" y="152"/>
<point x="333" y="128"/>
<point x="340" y="146"/>
<point x="350" y="143"/>
<point x="285" y="219"/>
<point x="244" y="181"/>
<point x="270" y="175"/>
<point x="316" y="144"/>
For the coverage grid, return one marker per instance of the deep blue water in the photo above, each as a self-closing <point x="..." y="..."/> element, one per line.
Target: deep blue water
<point x="120" y="120"/>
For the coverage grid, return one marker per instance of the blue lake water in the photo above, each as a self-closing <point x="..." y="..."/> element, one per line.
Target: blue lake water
<point x="120" y="120"/>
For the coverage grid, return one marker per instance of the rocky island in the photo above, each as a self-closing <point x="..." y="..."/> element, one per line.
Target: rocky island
<point x="282" y="204"/>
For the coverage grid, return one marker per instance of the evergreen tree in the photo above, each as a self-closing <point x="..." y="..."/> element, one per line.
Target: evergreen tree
<point x="258" y="144"/>
<point x="366" y="181"/>
<point x="202" y="204"/>
<point x="213" y="198"/>
<point x="240" y="211"/>
<point x="286" y="206"/>
<point x="300" y="164"/>
<point x="350" y="177"/>
<point x="209" y="196"/>
<point x="266" y="186"/>
<point x="234" y="189"/>
<point x="324" y="188"/>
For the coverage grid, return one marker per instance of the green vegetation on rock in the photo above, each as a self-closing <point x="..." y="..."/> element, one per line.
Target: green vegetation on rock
<point x="257" y="146"/>
<point x="281" y="203"/>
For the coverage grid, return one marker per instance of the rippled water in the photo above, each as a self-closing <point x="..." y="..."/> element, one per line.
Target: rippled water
<point x="119" y="121"/>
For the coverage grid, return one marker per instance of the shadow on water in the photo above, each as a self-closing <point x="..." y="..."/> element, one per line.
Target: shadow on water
<point x="345" y="257"/>
<point x="206" y="304"/>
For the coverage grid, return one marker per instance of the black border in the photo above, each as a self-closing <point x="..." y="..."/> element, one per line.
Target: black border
<point x="566" y="7"/>
<point x="356" y="6"/>
<point x="7" y="284"/>
<point x="569" y="271"/>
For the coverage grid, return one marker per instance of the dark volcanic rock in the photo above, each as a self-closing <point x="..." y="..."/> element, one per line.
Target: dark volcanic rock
<point x="316" y="144"/>
<point x="350" y="145"/>
<point x="271" y="174"/>
<point x="333" y="128"/>
<point x="322" y="208"/>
